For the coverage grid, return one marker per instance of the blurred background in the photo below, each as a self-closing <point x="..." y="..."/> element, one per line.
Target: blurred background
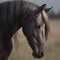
<point x="23" y="51"/>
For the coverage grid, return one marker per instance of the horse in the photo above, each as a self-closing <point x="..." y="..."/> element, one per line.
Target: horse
<point x="34" y="22"/>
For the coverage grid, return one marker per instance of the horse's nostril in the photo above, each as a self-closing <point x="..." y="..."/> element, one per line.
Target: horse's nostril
<point x="40" y="54"/>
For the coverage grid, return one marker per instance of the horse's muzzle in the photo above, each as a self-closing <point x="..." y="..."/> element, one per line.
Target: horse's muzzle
<point x="39" y="55"/>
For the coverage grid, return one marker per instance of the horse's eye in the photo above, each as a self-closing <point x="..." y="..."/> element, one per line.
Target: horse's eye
<point x="38" y="26"/>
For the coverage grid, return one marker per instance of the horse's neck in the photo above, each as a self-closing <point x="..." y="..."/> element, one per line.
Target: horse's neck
<point x="13" y="16"/>
<point x="10" y="18"/>
<point x="21" y="10"/>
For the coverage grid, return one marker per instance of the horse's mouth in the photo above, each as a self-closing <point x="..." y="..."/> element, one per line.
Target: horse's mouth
<point x="39" y="55"/>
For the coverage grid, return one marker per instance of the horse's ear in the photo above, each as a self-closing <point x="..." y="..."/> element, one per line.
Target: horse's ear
<point x="39" y="9"/>
<point x="48" y="9"/>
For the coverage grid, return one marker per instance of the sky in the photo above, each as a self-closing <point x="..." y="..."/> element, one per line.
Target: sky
<point x="54" y="3"/>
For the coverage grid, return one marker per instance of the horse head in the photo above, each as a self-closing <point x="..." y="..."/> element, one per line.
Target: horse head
<point x="36" y="29"/>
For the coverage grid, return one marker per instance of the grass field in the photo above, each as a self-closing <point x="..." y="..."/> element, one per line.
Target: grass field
<point x="53" y="45"/>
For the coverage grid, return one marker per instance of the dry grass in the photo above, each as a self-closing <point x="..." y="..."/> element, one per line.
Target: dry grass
<point x="53" y="45"/>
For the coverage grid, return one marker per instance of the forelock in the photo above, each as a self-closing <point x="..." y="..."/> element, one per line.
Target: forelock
<point x="46" y="21"/>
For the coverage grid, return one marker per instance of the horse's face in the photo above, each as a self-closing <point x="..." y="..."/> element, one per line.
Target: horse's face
<point x="34" y="30"/>
<point x="39" y="36"/>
